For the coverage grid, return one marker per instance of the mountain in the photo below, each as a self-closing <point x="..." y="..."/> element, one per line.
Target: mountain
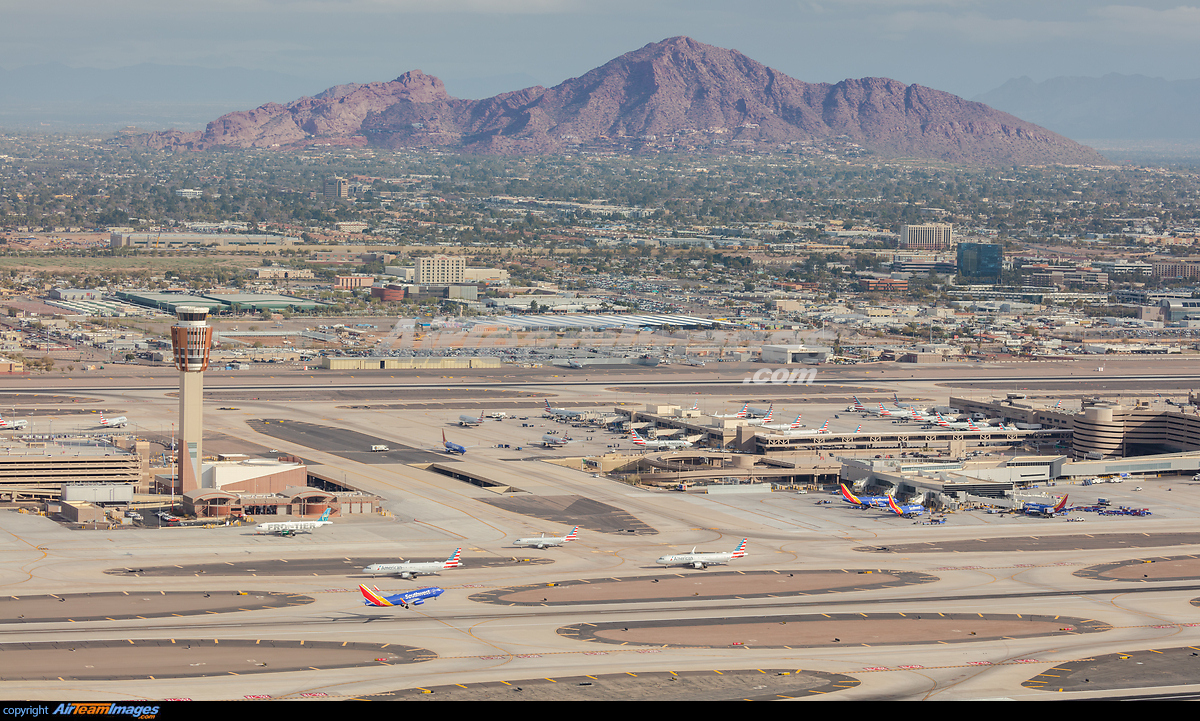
<point x="1130" y="107"/>
<point x="678" y="93"/>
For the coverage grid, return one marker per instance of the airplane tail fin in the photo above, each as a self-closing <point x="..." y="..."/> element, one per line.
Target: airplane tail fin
<point x="573" y="535"/>
<point x="325" y="515"/>
<point x="454" y="560"/>
<point x="892" y="505"/>
<point x="373" y="598"/>
<point x="1061" y="504"/>
<point x="740" y="551"/>
<point x="848" y="495"/>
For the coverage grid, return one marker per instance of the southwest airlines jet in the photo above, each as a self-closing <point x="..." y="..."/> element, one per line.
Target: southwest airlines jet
<point x="451" y="447"/>
<point x="703" y="560"/>
<point x="907" y="510"/>
<point x="412" y="569"/>
<point x="374" y="598"/>
<point x="864" y="501"/>
<point x="289" y="528"/>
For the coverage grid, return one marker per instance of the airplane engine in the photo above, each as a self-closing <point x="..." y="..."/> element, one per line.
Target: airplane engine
<point x="698" y="565"/>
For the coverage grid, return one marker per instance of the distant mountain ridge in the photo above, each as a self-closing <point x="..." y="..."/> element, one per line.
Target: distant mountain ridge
<point x="678" y="93"/>
<point x="1133" y="107"/>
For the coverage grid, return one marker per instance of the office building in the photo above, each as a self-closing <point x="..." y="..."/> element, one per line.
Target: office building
<point x="980" y="260"/>
<point x="336" y="187"/>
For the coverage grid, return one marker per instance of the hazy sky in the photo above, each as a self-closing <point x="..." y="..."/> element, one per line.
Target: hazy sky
<point x="486" y="46"/>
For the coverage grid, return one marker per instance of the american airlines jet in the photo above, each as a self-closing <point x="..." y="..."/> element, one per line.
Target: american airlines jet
<point x="12" y="425"/>
<point x="117" y="422"/>
<point x="412" y="569"/>
<point x="544" y="541"/>
<point x="783" y="426"/>
<point x="814" y="431"/>
<point x="549" y="440"/>
<point x="465" y="420"/>
<point x="560" y="412"/>
<point x="761" y="417"/>
<point x="666" y="443"/>
<point x="704" y="560"/>
<point x="740" y="414"/>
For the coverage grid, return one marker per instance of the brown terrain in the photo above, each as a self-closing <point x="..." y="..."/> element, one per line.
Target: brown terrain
<point x="678" y="93"/>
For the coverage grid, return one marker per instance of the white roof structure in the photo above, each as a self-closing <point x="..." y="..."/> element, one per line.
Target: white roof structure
<point x="597" y="322"/>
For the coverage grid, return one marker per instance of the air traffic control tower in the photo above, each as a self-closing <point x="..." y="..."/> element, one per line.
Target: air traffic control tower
<point x="191" y="339"/>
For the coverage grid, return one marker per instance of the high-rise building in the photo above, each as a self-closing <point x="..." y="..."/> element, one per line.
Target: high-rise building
<point x="336" y="187"/>
<point x="191" y="340"/>
<point x="440" y="270"/>
<point x="934" y="236"/>
<point x="980" y="260"/>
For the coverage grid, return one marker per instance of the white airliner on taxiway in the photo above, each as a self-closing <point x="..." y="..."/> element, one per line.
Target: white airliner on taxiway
<point x="703" y="560"/>
<point x="544" y="541"/>
<point x="412" y="569"/>
<point x="117" y="422"/>
<point x="290" y="528"/>
<point x="11" y="425"/>
<point x="465" y="420"/>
